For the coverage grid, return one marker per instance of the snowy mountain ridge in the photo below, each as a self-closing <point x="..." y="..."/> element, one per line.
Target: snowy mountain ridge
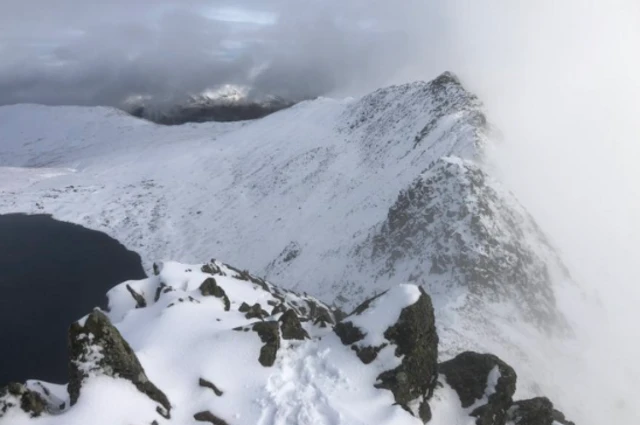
<point x="258" y="354"/>
<point x="341" y="199"/>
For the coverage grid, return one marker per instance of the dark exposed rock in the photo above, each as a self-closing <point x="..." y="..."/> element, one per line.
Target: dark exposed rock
<point x="291" y="327"/>
<point x="470" y="375"/>
<point x="211" y="288"/>
<point x="140" y="301"/>
<point x="97" y="348"/>
<point x="207" y="416"/>
<point x="269" y="334"/>
<point x="208" y="384"/>
<point x="280" y="308"/>
<point x="253" y="312"/>
<point x="348" y="333"/>
<point x="159" y="291"/>
<point x="323" y="319"/>
<point x="536" y="411"/>
<point x="367" y="354"/>
<point x="17" y="395"/>
<point x="416" y="340"/>
<point x="211" y="268"/>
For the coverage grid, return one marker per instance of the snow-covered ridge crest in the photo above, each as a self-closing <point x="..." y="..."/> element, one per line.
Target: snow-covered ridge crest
<point x="212" y="343"/>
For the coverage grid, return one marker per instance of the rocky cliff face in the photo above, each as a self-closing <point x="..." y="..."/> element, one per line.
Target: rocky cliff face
<point x="211" y="343"/>
<point x="456" y="231"/>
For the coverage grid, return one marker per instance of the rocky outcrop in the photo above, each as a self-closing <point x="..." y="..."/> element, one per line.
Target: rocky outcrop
<point x="461" y="231"/>
<point x="484" y="383"/>
<point x="97" y="348"/>
<point x="291" y="327"/>
<point x="414" y="339"/>
<point x="270" y="336"/>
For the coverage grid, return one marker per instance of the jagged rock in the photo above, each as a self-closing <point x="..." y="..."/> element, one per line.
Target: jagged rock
<point x="210" y="288"/>
<point x="140" y="301"/>
<point x="269" y="334"/>
<point x="17" y="395"/>
<point x="457" y="226"/>
<point x="536" y="411"/>
<point x="97" y="348"/>
<point x="482" y="378"/>
<point x="208" y="384"/>
<point x="207" y="416"/>
<point x="291" y="327"/>
<point x="253" y="312"/>
<point x="416" y="340"/>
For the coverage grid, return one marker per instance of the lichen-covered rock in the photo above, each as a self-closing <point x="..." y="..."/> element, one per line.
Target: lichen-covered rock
<point x="97" y="348"/>
<point x="18" y="396"/>
<point x="270" y="336"/>
<point x="211" y="288"/>
<point x="291" y="327"/>
<point x="536" y="411"/>
<point x="483" y="382"/>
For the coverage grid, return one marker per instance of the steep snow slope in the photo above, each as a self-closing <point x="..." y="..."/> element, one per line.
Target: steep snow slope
<point x="330" y="197"/>
<point x="314" y="176"/>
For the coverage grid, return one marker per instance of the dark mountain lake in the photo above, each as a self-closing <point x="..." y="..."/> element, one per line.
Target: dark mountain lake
<point x="51" y="274"/>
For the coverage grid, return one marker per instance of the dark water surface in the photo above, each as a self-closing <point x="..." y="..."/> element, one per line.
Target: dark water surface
<point x="51" y="274"/>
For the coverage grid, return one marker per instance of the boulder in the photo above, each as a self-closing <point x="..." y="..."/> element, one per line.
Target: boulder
<point x="270" y="335"/>
<point x="536" y="411"/>
<point x="97" y="348"/>
<point x="291" y="327"/>
<point x="211" y="288"/>
<point x="484" y="383"/>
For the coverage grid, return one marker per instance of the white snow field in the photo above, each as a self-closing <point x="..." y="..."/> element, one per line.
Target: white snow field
<point x="182" y="336"/>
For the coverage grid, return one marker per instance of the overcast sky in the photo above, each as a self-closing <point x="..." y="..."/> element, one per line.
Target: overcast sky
<point x="99" y="52"/>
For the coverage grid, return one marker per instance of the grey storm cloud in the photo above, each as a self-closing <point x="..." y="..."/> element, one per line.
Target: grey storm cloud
<point x="99" y="52"/>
